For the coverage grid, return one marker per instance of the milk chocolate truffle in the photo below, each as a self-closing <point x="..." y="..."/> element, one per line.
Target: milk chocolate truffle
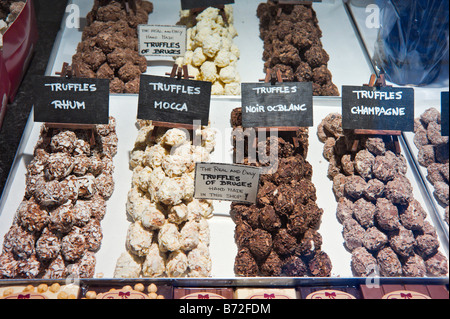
<point x="8" y="266"/>
<point x="375" y="189"/>
<point x="73" y="245"/>
<point x="353" y="234"/>
<point x="31" y="216"/>
<point x="344" y="210"/>
<point x="413" y="215"/>
<point x="426" y="245"/>
<point x="269" y="220"/>
<point x="364" y="212"/>
<point x="399" y="191"/>
<point x="48" y="246"/>
<point x="245" y="265"/>
<point x="309" y="244"/>
<point x="355" y="187"/>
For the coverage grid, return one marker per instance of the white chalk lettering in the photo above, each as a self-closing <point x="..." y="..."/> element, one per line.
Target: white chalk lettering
<point x="68" y="105"/>
<point x="378" y="111"/>
<point x="175" y="88"/>
<point x="75" y="87"/>
<point x="378" y="95"/>
<point x="171" y="106"/>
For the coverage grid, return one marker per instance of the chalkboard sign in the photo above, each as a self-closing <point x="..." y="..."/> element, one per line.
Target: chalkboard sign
<point x="195" y="4"/>
<point x="444" y="114"/>
<point x="229" y="182"/>
<point x="72" y="101"/>
<point x="279" y="105"/>
<point x="172" y="100"/>
<point x="378" y="108"/>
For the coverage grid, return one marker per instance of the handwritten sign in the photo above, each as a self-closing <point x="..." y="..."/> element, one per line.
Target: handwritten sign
<point x="160" y="40"/>
<point x="378" y="108"/>
<point x="237" y="183"/>
<point x="165" y="99"/>
<point x="284" y="104"/>
<point x="74" y="101"/>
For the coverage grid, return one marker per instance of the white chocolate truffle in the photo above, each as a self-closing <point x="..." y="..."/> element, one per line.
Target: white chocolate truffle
<point x="152" y="217"/>
<point x="171" y="191"/>
<point x="203" y="231"/>
<point x="211" y="45"/>
<point x="154" y="264"/>
<point x="208" y="71"/>
<point x="143" y="178"/>
<point x="209" y="139"/>
<point x="156" y="180"/>
<point x="178" y="214"/>
<point x="198" y="57"/>
<point x="222" y="58"/>
<point x="200" y="154"/>
<point x="177" y="264"/>
<point x="175" y="165"/>
<point x="138" y="239"/>
<point x="189" y="236"/>
<point x="199" y="262"/>
<point x="175" y="137"/>
<point x="233" y="88"/>
<point x="136" y="158"/>
<point x="143" y="137"/>
<point x="127" y="266"/>
<point x="217" y="88"/>
<point x="169" y="238"/>
<point x="199" y="208"/>
<point x="154" y="155"/>
<point x="228" y="74"/>
<point x="189" y="186"/>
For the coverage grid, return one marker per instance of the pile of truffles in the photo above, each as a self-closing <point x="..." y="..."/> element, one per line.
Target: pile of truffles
<point x="433" y="154"/>
<point x="292" y="44"/>
<point x="278" y="236"/>
<point x="385" y="228"/>
<point x="169" y="233"/>
<point x="211" y="54"/>
<point x="109" y="46"/>
<point x="57" y="227"/>
<point x="9" y="11"/>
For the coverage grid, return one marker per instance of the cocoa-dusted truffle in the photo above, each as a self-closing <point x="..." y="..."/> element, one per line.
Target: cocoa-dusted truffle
<point x="320" y="265"/>
<point x="269" y="220"/>
<point x="245" y="265"/>
<point x="355" y="187"/>
<point x="389" y="264"/>
<point x="375" y="189"/>
<point x="364" y="161"/>
<point x="48" y="246"/>
<point x="374" y="239"/>
<point x="413" y="215"/>
<point x="426" y="245"/>
<point x="414" y="266"/>
<point x="344" y="210"/>
<point x="437" y="265"/>
<point x="73" y="245"/>
<point x="260" y="244"/>
<point x="399" y="191"/>
<point x="353" y="234"/>
<point x="364" y="212"/>
<point x="363" y="262"/>
<point x="387" y="215"/>
<point x="402" y="241"/>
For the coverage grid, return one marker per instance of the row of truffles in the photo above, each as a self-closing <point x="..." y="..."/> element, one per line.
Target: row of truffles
<point x="109" y="46"/>
<point x="57" y="227"/>
<point x="278" y="236"/>
<point x="433" y="154"/>
<point x="292" y="44"/>
<point x="211" y="54"/>
<point x="169" y="232"/>
<point x="384" y="226"/>
<point x="9" y="11"/>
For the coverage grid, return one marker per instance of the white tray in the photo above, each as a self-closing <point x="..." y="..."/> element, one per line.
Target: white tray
<point x="223" y="248"/>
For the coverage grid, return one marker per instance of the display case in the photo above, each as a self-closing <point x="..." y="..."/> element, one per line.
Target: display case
<point x="112" y="208"/>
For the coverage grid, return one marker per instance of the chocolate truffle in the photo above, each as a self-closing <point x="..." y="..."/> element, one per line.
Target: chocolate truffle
<point x="320" y="265"/>
<point x="245" y="265"/>
<point x="260" y="244"/>
<point x="390" y="265"/>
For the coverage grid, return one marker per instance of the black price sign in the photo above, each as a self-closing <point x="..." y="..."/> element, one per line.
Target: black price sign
<point x="279" y="105"/>
<point x="164" y="99"/>
<point x="195" y="4"/>
<point x="71" y="101"/>
<point x="378" y="108"/>
<point x="444" y="114"/>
